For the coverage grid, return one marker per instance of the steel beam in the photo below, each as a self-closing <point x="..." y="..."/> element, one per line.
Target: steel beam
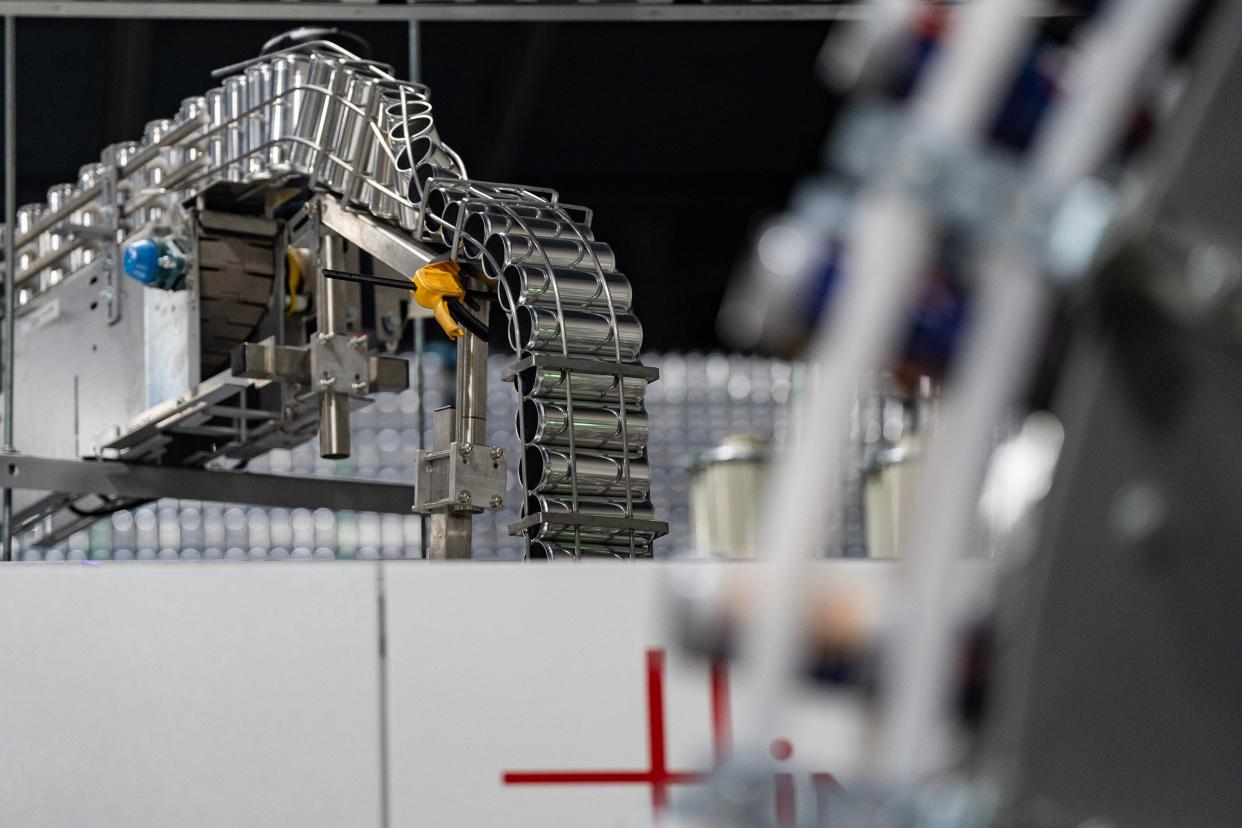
<point x="394" y="248"/>
<point x="130" y="481"/>
<point x="585" y="12"/>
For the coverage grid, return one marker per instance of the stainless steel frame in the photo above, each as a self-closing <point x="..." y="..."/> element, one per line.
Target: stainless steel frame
<point x="356" y="140"/>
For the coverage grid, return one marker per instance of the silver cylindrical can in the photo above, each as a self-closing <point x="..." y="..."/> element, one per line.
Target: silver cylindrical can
<point x="27" y="216"/>
<point x="258" y="122"/>
<point x="236" y="138"/>
<point x="90" y="215"/>
<point x="153" y="174"/>
<point x="548" y="423"/>
<point x="352" y="141"/>
<point x="381" y="166"/>
<point x="598" y="474"/>
<point x="118" y="155"/>
<point x="481" y="224"/>
<point x="217" y="118"/>
<point x="58" y="196"/>
<point x="319" y="115"/>
<point x="507" y="249"/>
<point x="532" y="284"/>
<point x="193" y="151"/>
<point x="288" y="79"/>
<point x="584" y="333"/>
<point x="726" y="494"/>
<point x="553" y="383"/>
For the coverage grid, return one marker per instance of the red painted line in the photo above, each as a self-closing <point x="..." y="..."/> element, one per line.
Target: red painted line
<point x="826" y="779"/>
<point x="655" y="727"/>
<point x="658" y="776"/>
<point x="602" y="777"/>
<point x="786" y="802"/>
<point x="722" y="728"/>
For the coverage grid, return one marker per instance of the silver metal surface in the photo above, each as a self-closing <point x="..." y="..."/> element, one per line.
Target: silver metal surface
<point x="545" y="551"/>
<point x="579" y="331"/>
<point x="547" y="423"/>
<point x="482" y="224"/>
<point x="450" y="532"/>
<point x="471" y="400"/>
<point x="564" y="251"/>
<point x="551" y="383"/>
<point x="533" y="285"/>
<point x="332" y="318"/>
<point x="287" y="77"/>
<point x="258" y="124"/>
<point x="606" y="522"/>
<point x="338" y="362"/>
<point x="333" y="425"/>
<point x="234" y="137"/>
<point x="551" y="471"/>
<point x="393" y="248"/>
<point x="59" y="198"/>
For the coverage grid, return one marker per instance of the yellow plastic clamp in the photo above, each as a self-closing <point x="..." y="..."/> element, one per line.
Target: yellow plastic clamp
<point x="434" y="285"/>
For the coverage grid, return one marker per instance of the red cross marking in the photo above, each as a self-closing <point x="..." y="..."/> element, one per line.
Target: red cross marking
<point x="657" y="774"/>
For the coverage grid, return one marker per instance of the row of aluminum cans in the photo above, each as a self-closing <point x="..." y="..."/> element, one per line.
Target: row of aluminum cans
<point x="584" y="432"/>
<point x="343" y="123"/>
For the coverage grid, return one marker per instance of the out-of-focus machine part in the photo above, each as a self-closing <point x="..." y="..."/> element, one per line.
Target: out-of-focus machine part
<point x="216" y="291"/>
<point x="1114" y="694"/>
<point x="1000" y="216"/>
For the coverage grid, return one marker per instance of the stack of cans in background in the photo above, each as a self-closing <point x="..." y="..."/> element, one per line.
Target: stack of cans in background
<point x="699" y="400"/>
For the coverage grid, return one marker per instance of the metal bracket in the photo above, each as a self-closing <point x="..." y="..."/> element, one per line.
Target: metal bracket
<point x="641" y="527"/>
<point x="462" y="479"/>
<point x="338" y="362"/>
<point x="584" y="365"/>
<point x="342" y="357"/>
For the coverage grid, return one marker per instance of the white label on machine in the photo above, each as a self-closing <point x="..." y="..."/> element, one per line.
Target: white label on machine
<point x="556" y="696"/>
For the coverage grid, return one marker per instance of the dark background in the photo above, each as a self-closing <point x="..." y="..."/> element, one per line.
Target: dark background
<point x="678" y="135"/>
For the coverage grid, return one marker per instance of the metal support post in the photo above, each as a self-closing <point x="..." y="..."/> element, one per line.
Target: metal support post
<point x="420" y="386"/>
<point x="450" y="531"/>
<point x="331" y="320"/>
<point x="471" y="426"/>
<point x="10" y="257"/>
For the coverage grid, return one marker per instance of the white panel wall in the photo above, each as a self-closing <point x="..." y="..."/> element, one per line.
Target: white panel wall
<point x="189" y="695"/>
<point x="523" y="667"/>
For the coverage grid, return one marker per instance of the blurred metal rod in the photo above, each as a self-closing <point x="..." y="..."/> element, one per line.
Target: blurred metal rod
<point x="10" y="256"/>
<point x="889" y="246"/>
<point x="997" y="357"/>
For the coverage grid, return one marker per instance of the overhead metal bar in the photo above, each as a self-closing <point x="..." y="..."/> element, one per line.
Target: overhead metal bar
<point x="134" y="481"/>
<point x="513" y="12"/>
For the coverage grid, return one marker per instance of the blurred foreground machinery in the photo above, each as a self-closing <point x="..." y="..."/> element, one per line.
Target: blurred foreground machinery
<point x="216" y="290"/>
